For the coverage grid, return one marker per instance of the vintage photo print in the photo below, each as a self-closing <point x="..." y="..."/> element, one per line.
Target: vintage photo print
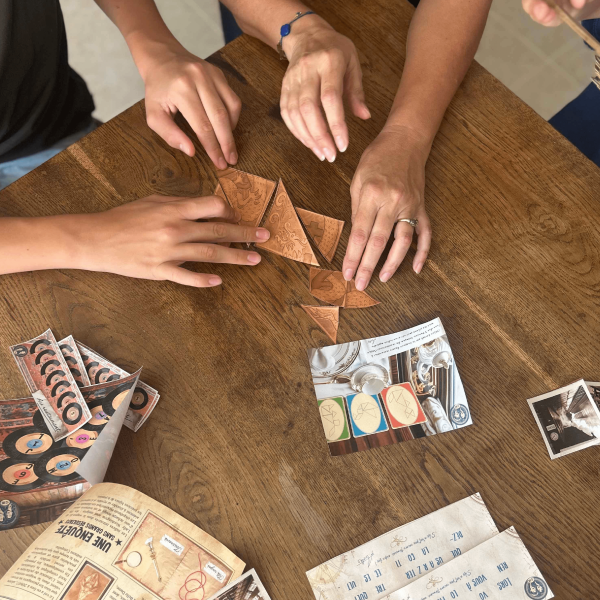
<point x="90" y="583"/>
<point x="568" y="418"/>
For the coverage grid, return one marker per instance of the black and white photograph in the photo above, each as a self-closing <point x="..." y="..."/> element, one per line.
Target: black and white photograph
<point x="568" y="418"/>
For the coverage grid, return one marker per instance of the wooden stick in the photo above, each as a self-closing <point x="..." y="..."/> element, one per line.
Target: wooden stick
<point x="581" y="31"/>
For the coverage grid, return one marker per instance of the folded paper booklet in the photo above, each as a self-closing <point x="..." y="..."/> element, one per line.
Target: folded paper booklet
<point x="117" y="543"/>
<point x="568" y="418"/>
<point x="499" y="569"/>
<point x="40" y="476"/>
<point x="388" y="389"/>
<point x="395" y="559"/>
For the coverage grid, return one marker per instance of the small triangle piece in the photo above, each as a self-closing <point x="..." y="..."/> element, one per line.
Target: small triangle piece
<point x="287" y="236"/>
<point x="250" y="194"/>
<point x="356" y="299"/>
<point x="324" y="231"/>
<point x="328" y="286"/>
<point x="326" y="317"/>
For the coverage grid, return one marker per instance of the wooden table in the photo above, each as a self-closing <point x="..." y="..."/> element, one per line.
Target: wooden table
<point x="236" y="444"/>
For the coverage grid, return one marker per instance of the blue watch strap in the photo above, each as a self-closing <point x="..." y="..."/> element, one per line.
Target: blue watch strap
<point x="286" y="29"/>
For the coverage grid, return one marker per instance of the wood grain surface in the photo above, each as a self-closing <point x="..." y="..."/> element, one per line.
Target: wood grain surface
<point x="236" y="444"/>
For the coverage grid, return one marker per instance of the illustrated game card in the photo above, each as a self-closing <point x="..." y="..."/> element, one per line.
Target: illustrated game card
<point x="402" y="406"/>
<point x="366" y="415"/>
<point x="395" y="559"/>
<point x="74" y="362"/>
<point x="499" y="569"/>
<point x="100" y="369"/>
<point x="333" y="416"/>
<point x="51" y="383"/>
<point x="246" y="587"/>
<point x="568" y="418"/>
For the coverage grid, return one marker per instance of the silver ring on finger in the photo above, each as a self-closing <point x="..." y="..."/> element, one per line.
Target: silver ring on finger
<point x="411" y="222"/>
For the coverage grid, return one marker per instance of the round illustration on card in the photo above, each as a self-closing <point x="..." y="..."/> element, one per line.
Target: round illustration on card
<point x="99" y="417"/>
<point x="72" y="413"/>
<point x="27" y="442"/>
<point x="20" y="351"/>
<point x="366" y="413"/>
<point x="139" y="399"/>
<point x="59" y="465"/>
<point x="18" y="476"/>
<point x="402" y="405"/>
<point x="82" y="438"/>
<point x="536" y="588"/>
<point x="9" y="514"/>
<point x="459" y="414"/>
<point x="115" y="398"/>
<point x="334" y="422"/>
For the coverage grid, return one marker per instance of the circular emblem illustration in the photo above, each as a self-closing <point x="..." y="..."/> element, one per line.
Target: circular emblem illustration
<point x="20" y="351"/>
<point x="459" y="414"/>
<point x="9" y="514"/>
<point x="536" y="588"/>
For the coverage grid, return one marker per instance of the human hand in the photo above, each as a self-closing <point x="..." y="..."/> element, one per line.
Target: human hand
<point x="389" y="184"/>
<point x="178" y="81"/>
<point x="323" y="70"/>
<point x="540" y="12"/>
<point x="150" y="238"/>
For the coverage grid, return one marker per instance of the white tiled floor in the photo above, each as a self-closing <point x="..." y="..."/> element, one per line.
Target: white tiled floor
<point x="546" y="67"/>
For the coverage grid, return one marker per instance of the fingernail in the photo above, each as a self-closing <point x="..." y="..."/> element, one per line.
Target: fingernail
<point x="319" y="154"/>
<point x="418" y="268"/>
<point x="254" y="258"/>
<point x="233" y="157"/>
<point x="182" y="148"/>
<point x="263" y="234"/>
<point x="361" y="284"/>
<point x="221" y="163"/>
<point x="384" y="277"/>
<point x="214" y="280"/>
<point x="348" y="274"/>
<point x="341" y="143"/>
<point x="368" y="111"/>
<point x="329" y="154"/>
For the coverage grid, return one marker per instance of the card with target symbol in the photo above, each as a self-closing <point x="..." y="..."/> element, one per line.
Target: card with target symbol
<point x="402" y="406"/>
<point x="50" y="380"/>
<point x="100" y="369"/>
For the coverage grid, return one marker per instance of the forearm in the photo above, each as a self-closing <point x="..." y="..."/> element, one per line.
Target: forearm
<point x="33" y="244"/>
<point x="142" y="27"/>
<point x="263" y="18"/>
<point x="441" y="44"/>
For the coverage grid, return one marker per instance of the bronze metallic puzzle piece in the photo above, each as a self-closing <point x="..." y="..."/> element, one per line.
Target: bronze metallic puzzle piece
<point x="247" y="193"/>
<point x="356" y="299"/>
<point x="324" y="231"/>
<point x="287" y="236"/>
<point x="328" y="286"/>
<point x="326" y="317"/>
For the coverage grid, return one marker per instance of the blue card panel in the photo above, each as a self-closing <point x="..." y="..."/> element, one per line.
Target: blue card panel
<point x="366" y="414"/>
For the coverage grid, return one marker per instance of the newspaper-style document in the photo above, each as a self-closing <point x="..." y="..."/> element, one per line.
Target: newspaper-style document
<point x="115" y="543"/>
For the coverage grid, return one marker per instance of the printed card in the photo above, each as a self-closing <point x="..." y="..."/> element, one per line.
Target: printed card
<point x="366" y="415"/>
<point x="393" y="560"/>
<point x="52" y="385"/>
<point x="333" y="416"/>
<point x="246" y="587"/>
<point x="73" y="359"/>
<point x="100" y="370"/>
<point x="499" y="569"/>
<point x="402" y="406"/>
<point x="568" y="418"/>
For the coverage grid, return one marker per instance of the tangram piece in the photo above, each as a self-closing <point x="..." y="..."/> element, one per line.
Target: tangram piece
<point x="356" y="299"/>
<point x="219" y="192"/>
<point x="328" y="286"/>
<point x="247" y="193"/>
<point x="287" y="236"/>
<point x="326" y="317"/>
<point x="325" y="231"/>
<point x="331" y="287"/>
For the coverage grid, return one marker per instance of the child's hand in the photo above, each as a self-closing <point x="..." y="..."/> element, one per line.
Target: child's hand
<point x="178" y="81"/>
<point x="150" y="238"/>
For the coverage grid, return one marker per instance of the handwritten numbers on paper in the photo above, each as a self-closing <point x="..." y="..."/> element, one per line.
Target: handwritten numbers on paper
<point x="351" y="585"/>
<point x="456" y="552"/>
<point x="380" y="588"/>
<point x="425" y="550"/>
<point x="367" y="578"/>
<point x="504" y="583"/>
<point x="457" y="535"/>
<point x="502" y="567"/>
<point x="361" y="596"/>
<point x="377" y="573"/>
<point x="398" y="563"/>
<point x="410" y="574"/>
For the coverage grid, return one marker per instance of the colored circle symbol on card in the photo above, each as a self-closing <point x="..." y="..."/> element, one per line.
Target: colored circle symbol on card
<point x="59" y="465"/>
<point x="82" y="438"/>
<point x="26" y="442"/>
<point x="459" y="414"/>
<point x="9" y="514"/>
<point x="536" y="588"/>
<point x="18" y="476"/>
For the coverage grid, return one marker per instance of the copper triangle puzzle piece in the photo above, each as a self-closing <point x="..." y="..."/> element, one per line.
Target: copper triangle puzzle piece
<point x="250" y="194"/>
<point x="324" y="231"/>
<point x="287" y="236"/>
<point x="326" y="317"/>
<point x="331" y="287"/>
<point x="356" y="299"/>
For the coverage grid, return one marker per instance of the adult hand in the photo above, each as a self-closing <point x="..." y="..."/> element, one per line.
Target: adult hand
<point x="539" y="11"/>
<point x="323" y="70"/>
<point x="178" y="81"/>
<point x="389" y="184"/>
<point x="150" y="238"/>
